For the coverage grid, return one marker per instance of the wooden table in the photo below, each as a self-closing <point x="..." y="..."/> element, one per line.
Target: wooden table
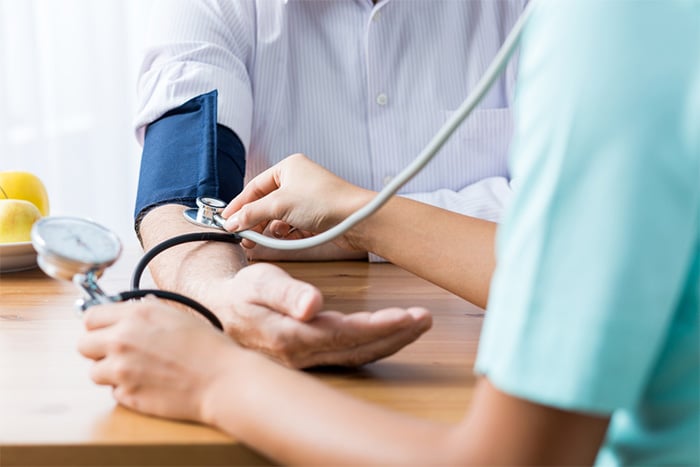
<point x="52" y="414"/>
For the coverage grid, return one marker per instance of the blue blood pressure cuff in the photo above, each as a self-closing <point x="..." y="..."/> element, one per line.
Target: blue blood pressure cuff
<point x="186" y="154"/>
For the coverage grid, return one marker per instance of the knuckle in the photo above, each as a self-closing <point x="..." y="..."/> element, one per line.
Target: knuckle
<point x="296" y="157"/>
<point x="122" y="371"/>
<point x="285" y="292"/>
<point x="119" y="344"/>
<point x="243" y="216"/>
<point x="277" y="206"/>
<point x="94" y="373"/>
<point x="126" y="396"/>
<point x="142" y="311"/>
<point x="279" y="346"/>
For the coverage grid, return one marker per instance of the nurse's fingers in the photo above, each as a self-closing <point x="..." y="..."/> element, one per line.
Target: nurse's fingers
<point x="280" y="229"/>
<point x="94" y="344"/>
<point x="109" y="372"/>
<point x="259" y="212"/>
<point x="103" y="316"/>
<point x="259" y="187"/>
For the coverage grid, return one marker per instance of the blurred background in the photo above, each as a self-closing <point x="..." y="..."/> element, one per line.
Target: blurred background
<point x="67" y="95"/>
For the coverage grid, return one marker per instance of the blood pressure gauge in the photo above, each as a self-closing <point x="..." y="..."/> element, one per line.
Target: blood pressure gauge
<point x="79" y="250"/>
<point x="70" y="246"/>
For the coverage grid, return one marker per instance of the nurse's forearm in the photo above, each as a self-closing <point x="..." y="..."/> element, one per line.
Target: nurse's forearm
<point x="484" y="199"/>
<point x="453" y="251"/>
<point x="296" y="419"/>
<point x="307" y="422"/>
<point x="190" y="268"/>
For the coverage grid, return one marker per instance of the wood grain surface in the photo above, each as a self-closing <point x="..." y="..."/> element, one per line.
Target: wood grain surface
<point x="52" y="414"/>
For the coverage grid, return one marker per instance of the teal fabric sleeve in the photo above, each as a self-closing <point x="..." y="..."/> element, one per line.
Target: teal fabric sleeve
<point x="594" y="303"/>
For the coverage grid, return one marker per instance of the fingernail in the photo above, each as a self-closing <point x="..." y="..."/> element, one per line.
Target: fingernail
<point x="231" y="224"/>
<point x="277" y="234"/>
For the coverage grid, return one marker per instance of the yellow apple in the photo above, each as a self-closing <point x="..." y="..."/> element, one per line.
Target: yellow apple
<point x="16" y="219"/>
<point x="16" y="184"/>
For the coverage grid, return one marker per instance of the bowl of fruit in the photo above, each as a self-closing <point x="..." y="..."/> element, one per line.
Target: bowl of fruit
<point x="23" y="201"/>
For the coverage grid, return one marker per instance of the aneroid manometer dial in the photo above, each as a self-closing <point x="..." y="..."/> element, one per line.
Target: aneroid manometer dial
<point x="68" y="246"/>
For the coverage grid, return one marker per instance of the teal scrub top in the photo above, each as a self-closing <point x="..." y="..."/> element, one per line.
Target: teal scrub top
<point x="595" y="301"/>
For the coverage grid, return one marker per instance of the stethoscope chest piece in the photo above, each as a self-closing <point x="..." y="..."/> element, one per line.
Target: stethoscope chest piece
<point x="207" y="213"/>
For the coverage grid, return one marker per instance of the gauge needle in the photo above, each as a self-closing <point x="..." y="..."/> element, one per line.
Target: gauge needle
<point x="81" y="243"/>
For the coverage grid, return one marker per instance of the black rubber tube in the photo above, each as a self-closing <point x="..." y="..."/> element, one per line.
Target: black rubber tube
<point x="137" y="292"/>
<point x="201" y="309"/>
<point x="180" y="239"/>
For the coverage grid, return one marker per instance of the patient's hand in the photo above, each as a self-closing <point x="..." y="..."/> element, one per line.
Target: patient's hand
<point x="263" y="308"/>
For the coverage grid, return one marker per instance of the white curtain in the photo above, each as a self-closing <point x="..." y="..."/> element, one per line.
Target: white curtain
<point x="67" y="91"/>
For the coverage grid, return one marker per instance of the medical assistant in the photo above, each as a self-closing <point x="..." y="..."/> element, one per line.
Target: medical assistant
<point x="595" y="302"/>
<point x="357" y="87"/>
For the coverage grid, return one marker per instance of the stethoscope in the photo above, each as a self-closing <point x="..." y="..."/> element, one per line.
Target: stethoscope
<point x="80" y="250"/>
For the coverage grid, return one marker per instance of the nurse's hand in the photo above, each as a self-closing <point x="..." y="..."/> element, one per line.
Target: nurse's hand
<point x="162" y="361"/>
<point x="158" y="359"/>
<point x="298" y="192"/>
<point x="265" y="309"/>
<point x="328" y="251"/>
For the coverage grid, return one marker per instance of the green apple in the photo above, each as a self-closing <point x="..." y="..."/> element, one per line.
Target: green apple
<point x="16" y="219"/>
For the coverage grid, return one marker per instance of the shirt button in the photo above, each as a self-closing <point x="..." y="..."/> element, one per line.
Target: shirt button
<point x="382" y="99"/>
<point x="387" y="179"/>
<point x="376" y="16"/>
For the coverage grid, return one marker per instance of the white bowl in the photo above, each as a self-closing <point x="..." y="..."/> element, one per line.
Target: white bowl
<point x="17" y="257"/>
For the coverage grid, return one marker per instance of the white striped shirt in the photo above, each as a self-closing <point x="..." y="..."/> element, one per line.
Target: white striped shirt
<point x="357" y="87"/>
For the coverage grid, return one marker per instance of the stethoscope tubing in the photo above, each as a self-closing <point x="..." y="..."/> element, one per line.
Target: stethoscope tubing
<point x="173" y="296"/>
<point x="137" y="292"/>
<point x="426" y="155"/>
<point x="178" y="240"/>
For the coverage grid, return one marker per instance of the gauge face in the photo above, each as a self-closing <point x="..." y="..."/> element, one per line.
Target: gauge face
<point x="77" y="240"/>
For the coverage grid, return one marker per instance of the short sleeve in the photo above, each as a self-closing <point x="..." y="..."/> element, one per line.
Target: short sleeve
<point x="194" y="47"/>
<point x="595" y="249"/>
